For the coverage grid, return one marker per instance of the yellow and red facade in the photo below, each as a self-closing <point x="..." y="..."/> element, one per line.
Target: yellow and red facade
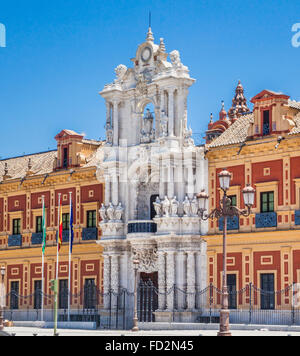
<point x="21" y="201"/>
<point x="269" y="161"/>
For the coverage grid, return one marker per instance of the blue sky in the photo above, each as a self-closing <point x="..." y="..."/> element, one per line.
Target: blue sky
<point x="60" y="54"/>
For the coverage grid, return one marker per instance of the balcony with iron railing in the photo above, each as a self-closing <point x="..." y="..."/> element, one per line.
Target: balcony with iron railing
<point x="142" y="226"/>
<point x="264" y="220"/>
<point x="14" y="241"/>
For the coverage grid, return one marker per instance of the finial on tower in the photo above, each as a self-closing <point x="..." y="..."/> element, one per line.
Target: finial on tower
<point x="150" y="37"/>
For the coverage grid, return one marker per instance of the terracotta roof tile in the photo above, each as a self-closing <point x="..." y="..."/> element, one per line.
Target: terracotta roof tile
<point x="236" y="133"/>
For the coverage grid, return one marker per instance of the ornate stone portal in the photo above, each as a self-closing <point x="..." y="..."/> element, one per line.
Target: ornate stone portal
<point x="153" y="172"/>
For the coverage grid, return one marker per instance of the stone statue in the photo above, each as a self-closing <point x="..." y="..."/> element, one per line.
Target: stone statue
<point x="175" y="59"/>
<point x="174" y="207"/>
<point x="120" y="72"/>
<point x="164" y="124"/>
<point x="157" y="207"/>
<point x="148" y="122"/>
<point x="194" y="206"/>
<point x="109" y="135"/>
<point x="102" y="213"/>
<point x="119" y="212"/>
<point x="110" y="212"/>
<point x="187" y="138"/>
<point x="166" y="207"/>
<point x="186" y="206"/>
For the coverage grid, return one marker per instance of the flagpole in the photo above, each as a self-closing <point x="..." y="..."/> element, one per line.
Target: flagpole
<point x="70" y="256"/>
<point x="57" y="262"/>
<point x="43" y="259"/>
<point x="58" y="221"/>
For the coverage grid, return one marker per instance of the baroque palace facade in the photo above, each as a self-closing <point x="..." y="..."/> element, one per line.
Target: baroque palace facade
<point x="135" y="197"/>
<point x="24" y="180"/>
<point x="259" y="148"/>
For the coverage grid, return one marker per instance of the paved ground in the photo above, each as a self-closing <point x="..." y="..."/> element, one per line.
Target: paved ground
<point x="21" y="331"/>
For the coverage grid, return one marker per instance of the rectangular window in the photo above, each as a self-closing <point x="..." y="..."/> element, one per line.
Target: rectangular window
<point x="37" y="295"/>
<point x="267" y="292"/>
<point x="267" y="202"/>
<point x="233" y="200"/>
<point x="14" y="295"/>
<point x="231" y="284"/>
<point x="63" y="294"/>
<point x="90" y="295"/>
<point x="39" y="224"/>
<point x="65" y="159"/>
<point x="266" y="122"/>
<point x="66" y="221"/>
<point x="91" y="219"/>
<point x="16" y="226"/>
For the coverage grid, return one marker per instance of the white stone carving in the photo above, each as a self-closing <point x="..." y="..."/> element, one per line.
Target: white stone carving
<point x="174" y="207"/>
<point x="166" y="207"/>
<point x="194" y="207"/>
<point x="119" y="212"/>
<point x="187" y="206"/>
<point x="157" y="207"/>
<point x="120" y="72"/>
<point x="164" y="124"/>
<point x="147" y="258"/>
<point x="102" y="213"/>
<point x="110" y="212"/>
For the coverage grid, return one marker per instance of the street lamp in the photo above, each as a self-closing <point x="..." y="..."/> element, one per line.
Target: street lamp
<point x="226" y="210"/>
<point x="2" y="296"/>
<point x="135" y="317"/>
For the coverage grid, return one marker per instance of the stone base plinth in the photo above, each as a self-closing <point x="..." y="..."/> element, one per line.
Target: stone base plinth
<point x="179" y="225"/>
<point x="112" y="229"/>
<point x="177" y="316"/>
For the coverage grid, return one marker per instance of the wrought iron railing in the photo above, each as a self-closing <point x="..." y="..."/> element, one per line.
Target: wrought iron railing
<point x="114" y="310"/>
<point x="233" y="223"/>
<point x="15" y="241"/>
<point x="89" y="234"/>
<point x="142" y="227"/>
<point x="263" y="220"/>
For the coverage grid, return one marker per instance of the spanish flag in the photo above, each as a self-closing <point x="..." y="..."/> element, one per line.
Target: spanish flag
<point x="60" y="238"/>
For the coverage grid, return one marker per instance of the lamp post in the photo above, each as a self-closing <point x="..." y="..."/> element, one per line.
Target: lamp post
<point x="226" y="210"/>
<point x="2" y="296"/>
<point x="135" y="317"/>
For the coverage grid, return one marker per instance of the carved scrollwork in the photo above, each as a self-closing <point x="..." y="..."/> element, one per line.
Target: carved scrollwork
<point x="147" y="257"/>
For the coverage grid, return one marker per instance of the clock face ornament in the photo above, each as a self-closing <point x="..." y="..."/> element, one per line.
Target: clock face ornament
<point x="146" y="54"/>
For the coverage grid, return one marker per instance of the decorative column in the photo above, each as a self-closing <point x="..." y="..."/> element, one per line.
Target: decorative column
<point x="107" y="198"/>
<point x="171" y="112"/>
<point x="170" y="279"/>
<point x="108" y="113"/>
<point x="115" y="273"/>
<point x="191" y="280"/>
<point x="181" y="279"/>
<point x="161" y="280"/>
<point x="170" y="179"/>
<point x="106" y="281"/>
<point x="116" y="122"/>
<point x="161" y="180"/>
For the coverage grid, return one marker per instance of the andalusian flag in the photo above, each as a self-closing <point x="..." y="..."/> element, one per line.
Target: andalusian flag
<point x="44" y="228"/>
<point x="60" y="238"/>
